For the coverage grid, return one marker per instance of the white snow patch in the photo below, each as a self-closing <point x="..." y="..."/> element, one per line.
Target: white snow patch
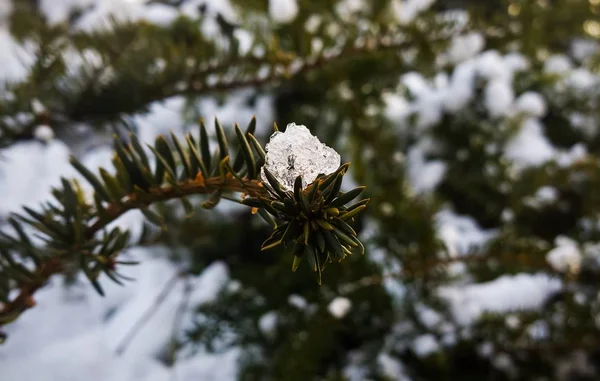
<point x="547" y="194"/>
<point x="576" y="153"/>
<point x="566" y="256"/>
<point x="405" y="11"/>
<point x="297" y="301"/>
<point x="346" y="9"/>
<point x="424" y="175"/>
<point x="428" y="316"/>
<point x="532" y="104"/>
<point x="391" y="368"/>
<point x="43" y="132"/>
<point x="96" y="326"/>
<point x="582" y="79"/>
<point x="339" y="307"/>
<point x="530" y="147"/>
<point x="557" y="64"/>
<point x="583" y="49"/>
<point x="397" y="108"/>
<point x="268" y="323"/>
<point x="460" y="91"/>
<point x="460" y="233"/>
<point x="283" y="11"/>
<point x="499" y="96"/>
<point x="59" y="11"/>
<point x="101" y="16"/>
<point x="516" y="62"/>
<point x="425" y="345"/>
<point x="465" y="47"/>
<point x="507" y="293"/>
<point x="491" y="65"/>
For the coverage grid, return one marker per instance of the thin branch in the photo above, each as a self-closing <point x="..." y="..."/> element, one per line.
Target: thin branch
<point x="160" y="298"/>
<point x="54" y="265"/>
<point x="178" y="321"/>
<point x="197" y="86"/>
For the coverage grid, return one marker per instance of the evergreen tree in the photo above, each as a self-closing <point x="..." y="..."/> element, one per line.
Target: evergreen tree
<point x="474" y="127"/>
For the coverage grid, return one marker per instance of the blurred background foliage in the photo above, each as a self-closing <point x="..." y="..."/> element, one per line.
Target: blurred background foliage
<point x="333" y="68"/>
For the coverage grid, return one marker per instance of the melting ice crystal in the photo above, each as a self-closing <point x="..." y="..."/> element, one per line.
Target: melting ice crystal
<point x="296" y="152"/>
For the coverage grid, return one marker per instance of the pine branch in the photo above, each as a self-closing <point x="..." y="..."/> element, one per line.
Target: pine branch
<point x="314" y="221"/>
<point x="137" y="64"/>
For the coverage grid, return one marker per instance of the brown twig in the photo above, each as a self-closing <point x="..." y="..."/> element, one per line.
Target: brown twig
<point x="54" y="265"/>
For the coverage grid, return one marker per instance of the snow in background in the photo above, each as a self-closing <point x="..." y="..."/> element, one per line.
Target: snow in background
<point x="419" y="106"/>
<point x="73" y="333"/>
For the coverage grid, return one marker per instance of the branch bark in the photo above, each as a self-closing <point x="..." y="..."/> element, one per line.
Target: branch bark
<point x="55" y="265"/>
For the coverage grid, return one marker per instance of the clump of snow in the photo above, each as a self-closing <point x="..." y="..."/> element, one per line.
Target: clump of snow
<point x="312" y="23"/>
<point x="512" y="321"/>
<point x="428" y="98"/>
<point x="339" y="307"/>
<point x="460" y="91"/>
<point x="424" y="175"/>
<point x="576" y="153"/>
<point x="499" y="96"/>
<point x="101" y="16"/>
<point x="460" y="233"/>
<point x="245" y="40"/>
<point x="44" y="133"/>
<point x="415" y="83"/>
<point x="545" y="195"/>
<point x="566" y="256"/>
<point x="582" y="79"/>
<point x="516" y="62"/>
<point x="37" y="107"/>
<point x="583" y="49"/>
<point x="425" y="345"/>
<point x="465" y="47"/>
<point x="530" y="146"/>
<point x="428" y="316"/>
<point x="491" y="65"/>
<point x="59" y="11"/>
<point x="505" y="363"/>
<point x="524" y="292"/>
<point x="296" y="152"/>
<point x="539" y="330"/>
<point x="348" y="8"/>
<point x="557" y="64"/>
<point x="532" y="104"/>
<point x="397" y="108"/>
<point x="283" y="11"/>
<point x="268" y="323"/>
<point x="297" y="301"/>
<point x="391" y="368"/>
<point x="386" y="208"/>
<point x="405" y="11"/>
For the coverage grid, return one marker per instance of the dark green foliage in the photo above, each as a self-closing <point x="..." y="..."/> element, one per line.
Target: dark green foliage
<point x="71" y="229"/>
<point x="339" y="93"/>
<point x="314" y="226"/>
